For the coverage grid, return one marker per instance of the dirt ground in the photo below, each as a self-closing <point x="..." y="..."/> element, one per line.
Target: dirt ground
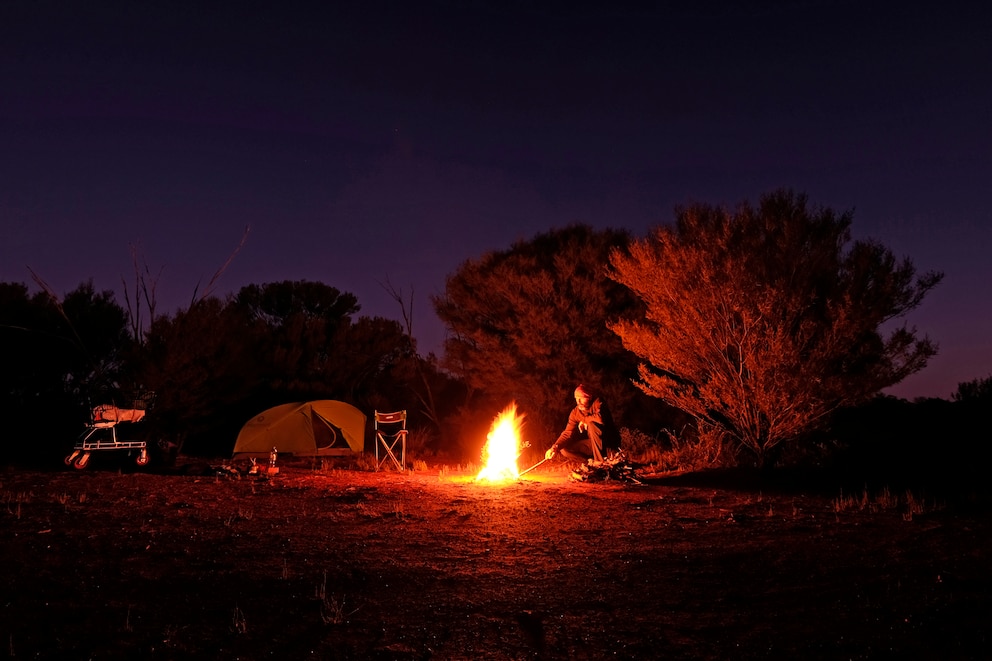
<point x="111" y="563"/>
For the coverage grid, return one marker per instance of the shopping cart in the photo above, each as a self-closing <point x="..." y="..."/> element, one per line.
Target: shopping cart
<point x="101" y="432"/>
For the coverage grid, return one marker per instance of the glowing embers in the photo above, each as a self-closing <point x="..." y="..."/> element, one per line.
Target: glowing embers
<point x="502" y="447"/>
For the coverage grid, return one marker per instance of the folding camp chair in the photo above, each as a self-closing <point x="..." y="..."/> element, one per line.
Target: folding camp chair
<point x="390" y="439"/>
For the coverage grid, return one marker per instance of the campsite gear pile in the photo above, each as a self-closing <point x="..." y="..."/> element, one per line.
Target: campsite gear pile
<point x="256" y="468"/>
<point x="614" y="467"/>
<point x="252" y="469"/>
<point x="100" y="433"/>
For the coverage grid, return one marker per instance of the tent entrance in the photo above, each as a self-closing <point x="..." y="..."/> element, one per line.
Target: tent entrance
<point x="328" y="438"/>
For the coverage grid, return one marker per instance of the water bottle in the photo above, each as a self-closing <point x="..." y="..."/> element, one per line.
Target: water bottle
<point x="272" y="458"/>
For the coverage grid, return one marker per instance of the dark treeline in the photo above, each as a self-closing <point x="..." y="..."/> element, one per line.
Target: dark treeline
<point x="756" y="332"/>
<point x="212" y="366"/>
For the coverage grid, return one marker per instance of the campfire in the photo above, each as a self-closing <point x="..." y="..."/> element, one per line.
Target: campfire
<point x="502" y="448"/>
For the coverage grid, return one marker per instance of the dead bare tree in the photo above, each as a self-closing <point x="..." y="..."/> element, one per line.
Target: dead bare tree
<point x="145" y="285"/>
<point x="57" y="303"/>
<point x="427" y="402"/>
<point x="94" y="326"/>
<point x="212" y="284"/>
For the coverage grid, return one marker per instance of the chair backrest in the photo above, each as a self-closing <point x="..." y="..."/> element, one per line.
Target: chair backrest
<point x="396" y="418"/>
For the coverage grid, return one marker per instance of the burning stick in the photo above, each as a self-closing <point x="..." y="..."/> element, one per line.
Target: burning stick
<point x="522" y="473"/>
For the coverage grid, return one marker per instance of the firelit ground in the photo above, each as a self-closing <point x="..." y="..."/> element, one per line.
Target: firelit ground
<point x="343" y="564"/>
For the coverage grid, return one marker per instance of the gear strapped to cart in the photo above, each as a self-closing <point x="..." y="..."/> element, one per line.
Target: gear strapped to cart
<point x="101" y="432"/>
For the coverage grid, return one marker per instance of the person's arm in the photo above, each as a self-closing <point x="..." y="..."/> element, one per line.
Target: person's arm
<point x="566" y="434"/>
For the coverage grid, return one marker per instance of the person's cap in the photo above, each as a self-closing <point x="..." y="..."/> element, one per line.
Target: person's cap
<point x="583" y="391"/>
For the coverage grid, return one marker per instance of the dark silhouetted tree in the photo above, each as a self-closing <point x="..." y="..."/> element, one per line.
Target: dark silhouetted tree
<point x="309" y="346"/>
<point x="201" y="363"/>
<point x="217" y="364"/>
<point x="366" y="366"/>
<point x="527" y="323"/>
<point x="973" y="411"/>
<point x="59" y="355"/>
<point x="99" y="327"/>
<point x="296" y="326"/>
<point x="275" y="303"/>
<point x="976" y="391"/>
<point x="762" y="321"/>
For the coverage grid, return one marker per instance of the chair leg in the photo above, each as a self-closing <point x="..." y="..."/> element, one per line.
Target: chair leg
<point x="389" y="453"/>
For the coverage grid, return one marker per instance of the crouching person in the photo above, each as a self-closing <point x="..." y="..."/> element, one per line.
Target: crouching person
<point x="590" y="432"/>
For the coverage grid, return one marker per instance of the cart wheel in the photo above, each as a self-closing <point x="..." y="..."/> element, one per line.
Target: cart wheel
<point x="82" y="460"/>
<point x="71" y="458"/>
<point x="142" y="459"/>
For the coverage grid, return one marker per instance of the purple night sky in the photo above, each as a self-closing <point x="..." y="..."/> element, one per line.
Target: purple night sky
<point x="372" y="141"/>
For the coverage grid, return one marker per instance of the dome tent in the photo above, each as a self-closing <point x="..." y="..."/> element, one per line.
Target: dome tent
<point x="319" y="428"/>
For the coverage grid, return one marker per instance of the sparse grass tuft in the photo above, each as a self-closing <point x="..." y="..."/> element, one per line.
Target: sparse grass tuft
<point x="913" y="506"/>
<point x="366" y="511"/>
<point x="365" y="462"/>
<point x="883" y="501"/>
<point x="332" y="609"/>
<point x="16" y="500"/>
<point x="238" y="622"/>
<point x="243" y="514"/>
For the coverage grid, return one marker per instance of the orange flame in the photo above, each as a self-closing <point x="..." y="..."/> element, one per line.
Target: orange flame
<point x="502" y="447"/>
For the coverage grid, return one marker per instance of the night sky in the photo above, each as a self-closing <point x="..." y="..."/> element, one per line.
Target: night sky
<point x="372" y="142"/>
